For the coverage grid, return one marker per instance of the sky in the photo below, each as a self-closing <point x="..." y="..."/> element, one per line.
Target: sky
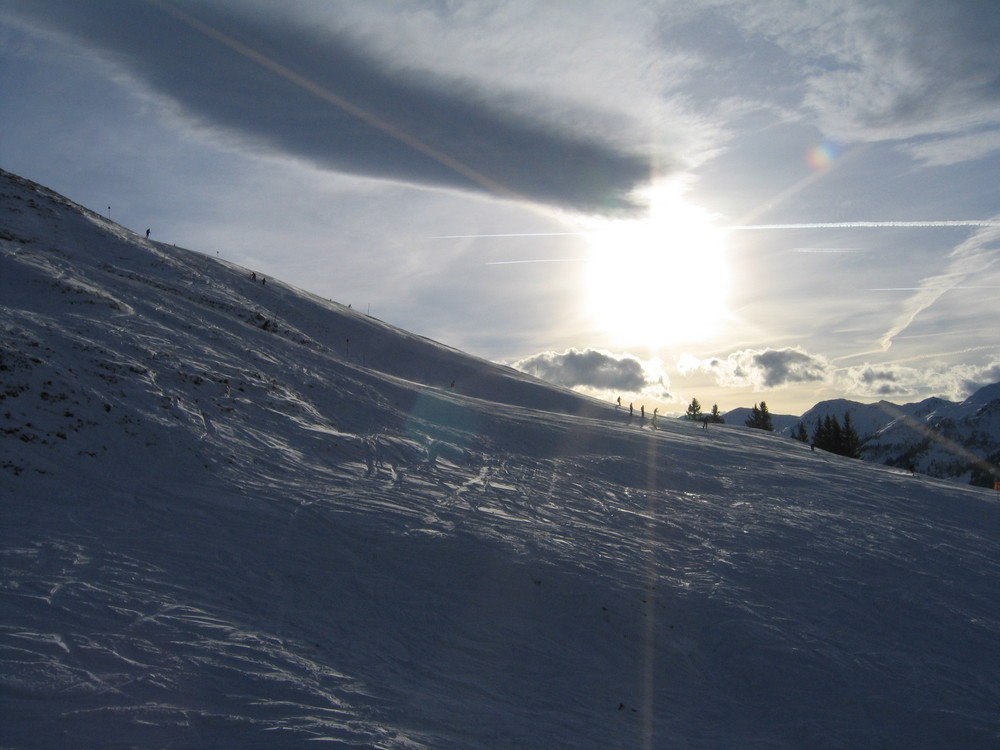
<point x="731" y="201"/>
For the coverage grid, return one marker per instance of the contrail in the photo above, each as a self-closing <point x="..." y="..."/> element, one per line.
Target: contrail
<point x="742" y="227"/>
<point x="508" y="234"/>
<point x="968" y="261"/>
<point x="536" y="260"/>
<point x="872" y="224"/>
<point x="922" y="288"/>
<point x="824" y="250"/>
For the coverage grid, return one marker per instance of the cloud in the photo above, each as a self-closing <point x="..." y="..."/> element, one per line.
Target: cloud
<point x="885" y="71"/>
<point x="881" y="381"/>
<point x="761" y="369"/>
<point x="944" y="151"/>
<point x="914" y="68"/>
<point x="897" y="382"/>
<point x="598" y="370"/>
<point x="978" y="378"/>
<point x="313" y="92"/>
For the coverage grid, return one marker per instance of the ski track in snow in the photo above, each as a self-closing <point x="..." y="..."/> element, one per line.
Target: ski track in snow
<point x="224" y="529"/>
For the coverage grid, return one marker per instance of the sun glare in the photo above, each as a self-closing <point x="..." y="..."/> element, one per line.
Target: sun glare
<point x="660" y="279"/>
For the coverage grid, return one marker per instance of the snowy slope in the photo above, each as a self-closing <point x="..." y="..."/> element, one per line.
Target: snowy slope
<point x="984" y="395"/>
<point x="237" y="515"/>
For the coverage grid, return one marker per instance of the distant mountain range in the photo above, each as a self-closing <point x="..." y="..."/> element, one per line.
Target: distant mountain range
<point x="941" y="438"/>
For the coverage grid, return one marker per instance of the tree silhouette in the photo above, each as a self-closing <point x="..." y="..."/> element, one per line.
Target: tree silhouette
<point x="760" y="418"/>
<point x="834" y="437"/>
<point x="693" y="410"/>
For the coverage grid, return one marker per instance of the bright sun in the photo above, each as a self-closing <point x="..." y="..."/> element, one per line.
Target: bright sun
<point x="660" y="279"/>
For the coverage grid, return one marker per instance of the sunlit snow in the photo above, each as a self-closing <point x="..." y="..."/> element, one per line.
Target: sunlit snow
<point x="239" y="515"/>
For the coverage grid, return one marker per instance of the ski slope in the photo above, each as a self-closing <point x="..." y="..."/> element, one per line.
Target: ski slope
<point x="236" y="515"/>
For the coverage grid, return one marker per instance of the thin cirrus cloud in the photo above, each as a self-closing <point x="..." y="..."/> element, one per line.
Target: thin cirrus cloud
<point x="890" y="70"/>
<point x="970" y="260"/>
<point x="310" y="93"/>
<point x="954" y="150"/>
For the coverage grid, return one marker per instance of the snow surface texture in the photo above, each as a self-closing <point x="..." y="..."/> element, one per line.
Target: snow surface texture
<point x="236" y="515"/>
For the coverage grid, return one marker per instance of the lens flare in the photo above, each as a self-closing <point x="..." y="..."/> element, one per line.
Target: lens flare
<point x="822" y="156"/>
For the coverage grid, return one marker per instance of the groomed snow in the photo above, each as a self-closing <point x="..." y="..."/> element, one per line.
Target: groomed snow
<point x="237" y="515"/>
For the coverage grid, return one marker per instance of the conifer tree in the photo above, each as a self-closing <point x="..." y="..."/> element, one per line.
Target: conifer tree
<point x="850" y="442"/>
<point x="693" y="410"/>
<point x="834" y="437"/>
<point x="819" y="435"/>
<point x="834" y="433"/>
<point x="716" y="417"/>
<point x="760" y="418"/>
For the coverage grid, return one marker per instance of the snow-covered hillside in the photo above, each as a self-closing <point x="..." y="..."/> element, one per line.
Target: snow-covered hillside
<point x="236" y="515"/>
<point x="958" y="441"/>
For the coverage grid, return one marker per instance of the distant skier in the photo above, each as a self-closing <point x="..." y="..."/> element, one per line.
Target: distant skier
<point x="263" y="281"/>
<point x="631" y="411"/>
<point x="147" y="234"/>
<point x="253" y="276"/>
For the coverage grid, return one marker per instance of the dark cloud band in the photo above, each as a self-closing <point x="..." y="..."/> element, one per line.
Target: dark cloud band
<point x="313" y="94"/>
